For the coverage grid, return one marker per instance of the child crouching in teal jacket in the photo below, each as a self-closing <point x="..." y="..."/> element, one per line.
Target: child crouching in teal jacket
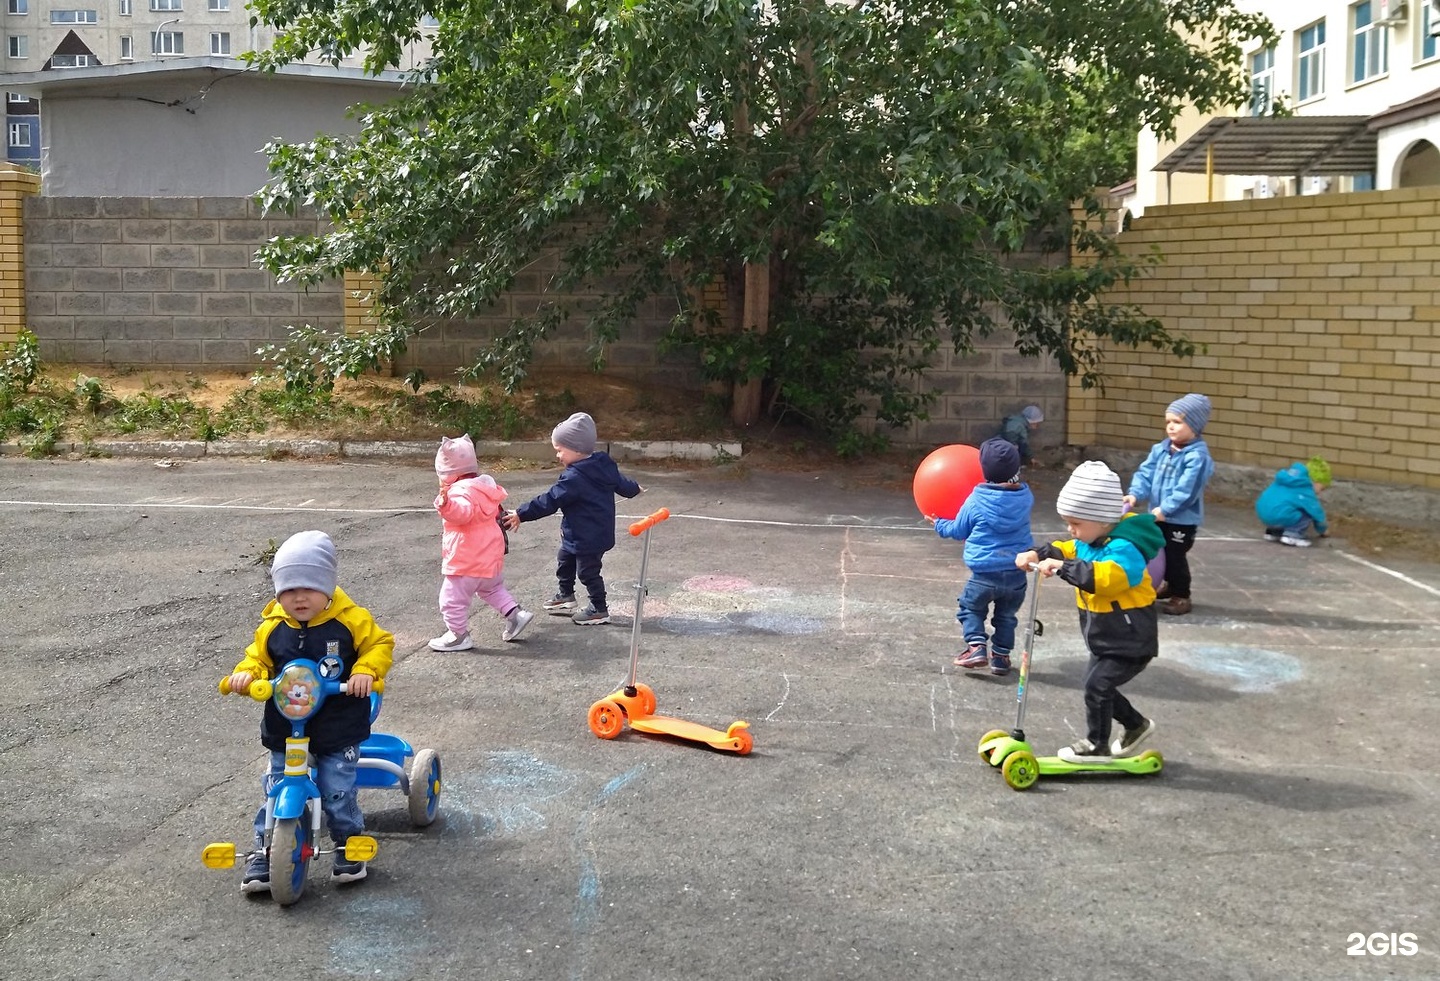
<point x="1291" y="506"/>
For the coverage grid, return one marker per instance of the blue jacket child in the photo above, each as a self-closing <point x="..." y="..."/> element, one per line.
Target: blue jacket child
<point x="585" y="497"/>
<point x="1290" y="506"/>
<point x="994" y="524"/>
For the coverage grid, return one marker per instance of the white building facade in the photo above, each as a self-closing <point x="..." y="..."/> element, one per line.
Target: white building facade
<point x="1368" y="70"/>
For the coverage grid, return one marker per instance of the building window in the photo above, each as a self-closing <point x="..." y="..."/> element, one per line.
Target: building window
<point x="72" y="17"/>
<point x="220" y="43"/>
<point x="125" y="8"/>
<point x="72" y="61"/>
<point x="219" y="4"/>
<point x="1262" y="82"/>
<point x="127" y="48"/>
<point x="20" y="134"/>
<point x="19" y="46"/>
<point x="158" y="5"/>
<point x="1362" y="182"/>
<point x="19" y="6"/>
<point x="1370" y="46"/>
<point x="1429" y="20"/>
<point x="167" y="42"/>
<point x="14" y="97"/>
<point x="1312" y="63"/>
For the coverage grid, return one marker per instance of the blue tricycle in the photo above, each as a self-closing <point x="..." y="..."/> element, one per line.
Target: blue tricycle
<point x="292" y="807"/>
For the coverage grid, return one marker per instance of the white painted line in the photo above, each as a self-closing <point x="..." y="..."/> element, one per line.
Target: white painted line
<point x="1389" y="572"/>
<point x="153" y="506"/>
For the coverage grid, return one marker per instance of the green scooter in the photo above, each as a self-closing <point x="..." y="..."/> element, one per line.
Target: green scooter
<point x="1012" y="755"/>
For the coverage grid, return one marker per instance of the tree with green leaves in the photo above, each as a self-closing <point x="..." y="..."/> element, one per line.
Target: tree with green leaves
<point x="870" y="181"/>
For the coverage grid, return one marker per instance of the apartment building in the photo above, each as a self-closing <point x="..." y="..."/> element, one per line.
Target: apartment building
<point x="1361" y="81"/>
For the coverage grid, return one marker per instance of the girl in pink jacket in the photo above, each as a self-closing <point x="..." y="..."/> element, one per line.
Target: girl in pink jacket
<point x="473" y="547"/>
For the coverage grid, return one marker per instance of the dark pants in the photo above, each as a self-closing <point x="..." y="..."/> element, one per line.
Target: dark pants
<point x="569" y="566"/>
<point x="1178" y="539"/>
<point x="1103" y="701"/>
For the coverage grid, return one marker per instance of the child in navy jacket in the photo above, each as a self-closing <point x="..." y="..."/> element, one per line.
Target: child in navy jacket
<point x="585" y="497"/>
<point x="994" y="524"/>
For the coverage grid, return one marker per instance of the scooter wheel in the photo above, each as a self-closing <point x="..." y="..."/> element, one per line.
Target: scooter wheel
<point x="606" y="719"/>
<point x="992" y="734"/>
<point x="647" y="699"/>
<point x="1020" y="770"/>
<point x="746" y="742"/>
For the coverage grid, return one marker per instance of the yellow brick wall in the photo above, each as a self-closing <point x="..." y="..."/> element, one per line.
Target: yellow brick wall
<point x="358" y="289"/>
<point x="15" y="185"/>
<point x="1318" y="319"/>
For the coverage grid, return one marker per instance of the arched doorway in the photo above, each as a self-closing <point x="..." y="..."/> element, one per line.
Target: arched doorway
<point x="1419" y="166"/>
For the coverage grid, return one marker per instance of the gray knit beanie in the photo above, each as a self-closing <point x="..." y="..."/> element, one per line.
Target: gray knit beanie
<point x="576" y="433"/>
<point x="305" y="561"/>
<point x="1194" y="408"/>
<point x="1092" y="493"/>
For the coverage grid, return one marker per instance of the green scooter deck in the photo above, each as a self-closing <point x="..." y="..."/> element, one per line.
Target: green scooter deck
<point x="1021" y="767"/>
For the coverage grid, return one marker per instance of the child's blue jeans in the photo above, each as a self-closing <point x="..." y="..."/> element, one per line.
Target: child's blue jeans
<point x="335" y="775"/>
<point x="1005" y="591"/>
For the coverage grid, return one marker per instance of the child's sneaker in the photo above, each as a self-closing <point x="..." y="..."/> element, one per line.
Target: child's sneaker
<point x="1274" y="534"/>
<point x="561" y="604"/>
<point x="1083" y="751"/>
<point x="345" y="870"/>
<point x="449" y="642"/>
<point x="517" y="620"/>
<point x="257" y="873"/>
<point x="999" y="664"/>
<point x="591" y="616"/>
<point x="1130" y="738"/>
<point x="1295" y="541"/>
<point x="973" y="657"/>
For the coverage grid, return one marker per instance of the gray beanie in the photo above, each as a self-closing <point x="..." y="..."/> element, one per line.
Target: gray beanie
<point x="1033" y="414"/>
<point x="576" y="433"/>
<point x="305" y="561"/>
<point x="1092" y="493"/>
<point x="1194" y="408"/>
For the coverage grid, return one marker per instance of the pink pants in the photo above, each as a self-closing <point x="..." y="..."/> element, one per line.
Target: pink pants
<point x="457" y="593"/>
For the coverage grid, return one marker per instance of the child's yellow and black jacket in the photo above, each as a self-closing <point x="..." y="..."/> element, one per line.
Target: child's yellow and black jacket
<point x="1113" y="588"/>
<point x="343" y="629"/>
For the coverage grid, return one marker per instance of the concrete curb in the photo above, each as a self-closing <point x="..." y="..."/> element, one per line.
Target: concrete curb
<point x="535" y="450"/>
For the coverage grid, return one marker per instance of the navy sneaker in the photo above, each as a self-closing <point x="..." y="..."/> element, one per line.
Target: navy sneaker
<point x="974" y="656"/>
<point x="346" y="870"/>
<point x="257" y="873"/>
<point x="999" y="664"/>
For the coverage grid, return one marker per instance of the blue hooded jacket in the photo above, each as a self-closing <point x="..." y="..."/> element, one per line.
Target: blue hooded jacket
<point x="1290" y="499"/>
<point x="994" y="524"/>
<point x="585" y="497"/>
<point x="1175" y="482"/>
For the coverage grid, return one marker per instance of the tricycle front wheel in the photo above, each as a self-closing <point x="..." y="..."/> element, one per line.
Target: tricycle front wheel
<point x="424" y="788"/>
<point x="290" y="852"/>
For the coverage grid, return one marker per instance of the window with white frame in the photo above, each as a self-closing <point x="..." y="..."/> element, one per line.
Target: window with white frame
<point x="219" y="4"/>
<point x="1429" y="21"/>
<point x="20" y="134"/>
<point x="14" y="97"/>
<point x="1369" y="44"/>
<point x="127" y="48"/>
<point x="159" y="5"/>
<point x="19" y="6"/>
<point x="1262" y="81"/>
<point x="19" y="45"/>
<point x="72" y="17"/>
<point x="220" y="43"/>
<point x="125" y="8"/>
<point x="1310" y="70"/>
<point x="73" y="61"/>
<point x="167" y="42"/>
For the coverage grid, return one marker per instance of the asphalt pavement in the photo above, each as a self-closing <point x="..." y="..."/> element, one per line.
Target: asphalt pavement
<point x="862" y="838"/>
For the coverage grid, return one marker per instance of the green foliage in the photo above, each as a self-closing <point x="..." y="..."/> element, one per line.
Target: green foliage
<point x="886" y="166"/>
<point x="21" y="366"/>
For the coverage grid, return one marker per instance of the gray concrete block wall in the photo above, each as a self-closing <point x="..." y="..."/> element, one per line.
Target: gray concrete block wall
<point x="162" y="282"/>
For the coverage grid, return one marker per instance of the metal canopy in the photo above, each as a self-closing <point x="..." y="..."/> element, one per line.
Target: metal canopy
<point x="1277" y="146"/>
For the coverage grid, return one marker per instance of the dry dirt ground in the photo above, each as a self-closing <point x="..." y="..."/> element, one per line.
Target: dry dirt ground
<point x="629" y="410"/>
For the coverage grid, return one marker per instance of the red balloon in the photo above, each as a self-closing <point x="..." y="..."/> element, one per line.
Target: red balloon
<point x="945" y="479"/>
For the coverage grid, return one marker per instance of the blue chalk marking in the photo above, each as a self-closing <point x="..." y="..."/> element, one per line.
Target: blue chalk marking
<point x="587" y="893"/>
<point x="378" y="938"/>
<point x="1247" y="669"/>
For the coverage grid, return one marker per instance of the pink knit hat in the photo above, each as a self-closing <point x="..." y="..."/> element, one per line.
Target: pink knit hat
<point x="456" y="457"/>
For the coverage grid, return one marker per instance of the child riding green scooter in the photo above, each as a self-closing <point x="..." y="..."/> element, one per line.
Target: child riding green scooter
<point x="1105" y="560"/>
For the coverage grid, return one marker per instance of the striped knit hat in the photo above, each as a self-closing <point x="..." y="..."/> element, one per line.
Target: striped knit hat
<point x="1194" y="408"/>
<point x="1092" y="493"/>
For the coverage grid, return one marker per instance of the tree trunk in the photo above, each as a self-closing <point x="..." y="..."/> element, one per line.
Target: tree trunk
<point x="746" y="400"/>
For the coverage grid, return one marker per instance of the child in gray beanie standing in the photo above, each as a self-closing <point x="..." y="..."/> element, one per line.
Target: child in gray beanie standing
<point x="585" y="497"/>
<point x="1172" y="479"/>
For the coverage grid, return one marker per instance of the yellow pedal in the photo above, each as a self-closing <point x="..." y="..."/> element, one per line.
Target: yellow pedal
<point x="361" y="848"/>
<point x="219" y="855"/>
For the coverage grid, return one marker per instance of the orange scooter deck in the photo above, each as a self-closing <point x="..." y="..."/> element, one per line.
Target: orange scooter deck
<point x="737" y="739"/>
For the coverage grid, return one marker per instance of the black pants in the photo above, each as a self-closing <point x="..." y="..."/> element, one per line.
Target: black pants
<point x="1103" y="701"/>
<point x="570" y="565"/>
<point x="1178" y="539"/>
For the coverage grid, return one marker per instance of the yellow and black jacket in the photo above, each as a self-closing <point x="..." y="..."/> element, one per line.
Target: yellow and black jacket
<point x="1113" y="588"/>
<point x="343" y="629"/>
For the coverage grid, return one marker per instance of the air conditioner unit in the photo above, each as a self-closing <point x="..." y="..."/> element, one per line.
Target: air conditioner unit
<point x="1392" y="12"/>
<point x="1266" y="187"/>
<point x="1317" y="185"/>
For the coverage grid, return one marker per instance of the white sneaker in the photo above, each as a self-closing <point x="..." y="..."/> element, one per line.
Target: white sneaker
<point x="1271" y="538"/>
<point x="449" y="642"/>
<point x="516" y="622"/>
<point x="1292" y="540"/>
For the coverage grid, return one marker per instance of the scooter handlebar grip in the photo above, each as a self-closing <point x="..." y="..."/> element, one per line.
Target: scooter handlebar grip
<point x="645" y="524"/>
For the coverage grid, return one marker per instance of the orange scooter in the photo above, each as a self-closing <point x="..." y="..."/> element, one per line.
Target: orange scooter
<point x="635" y="702"/>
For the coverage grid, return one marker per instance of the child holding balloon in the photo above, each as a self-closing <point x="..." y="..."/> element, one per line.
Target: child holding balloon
<point x="994" y="524"/>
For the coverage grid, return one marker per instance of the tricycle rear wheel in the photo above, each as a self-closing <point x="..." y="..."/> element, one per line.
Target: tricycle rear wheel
<point x="424" y="788"/>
